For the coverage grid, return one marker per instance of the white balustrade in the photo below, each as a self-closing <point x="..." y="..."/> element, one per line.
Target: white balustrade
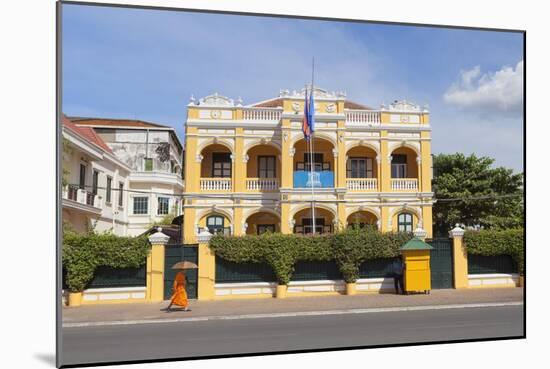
<point x="404" y="184"/>
<point x="362" y="184"/>
<point x="362" y="116"/>
<point x="262" y="114"/>
<point x="215" y="184"/>
<point x="262" y="184"/>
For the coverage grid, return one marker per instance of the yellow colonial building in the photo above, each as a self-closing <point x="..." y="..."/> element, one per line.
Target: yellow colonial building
<point x="247" y="167"/>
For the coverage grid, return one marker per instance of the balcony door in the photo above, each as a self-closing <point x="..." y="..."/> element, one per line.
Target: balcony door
<point x="266" y="167"/>
<point x="82" y="177"/>
<point x="399" y="166"/>
<point x="221" y="165"/>
<point x="359" y="168"/>
<point x="317" y="161"/>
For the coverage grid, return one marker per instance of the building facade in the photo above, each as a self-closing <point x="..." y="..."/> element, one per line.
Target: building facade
<point x="122" y="175"/>
<point x="247" y="168"/>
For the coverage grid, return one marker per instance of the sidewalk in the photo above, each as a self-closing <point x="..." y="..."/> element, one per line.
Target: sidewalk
<point x="153" y="311"/>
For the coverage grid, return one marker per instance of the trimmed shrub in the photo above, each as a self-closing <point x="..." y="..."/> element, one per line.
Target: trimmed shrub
<point x="348" y="248"/>
<point x="497" y="242"/>
<point x="84" y="253"/>
<point x="354" y="246"/>
<point x="279" y="251"/>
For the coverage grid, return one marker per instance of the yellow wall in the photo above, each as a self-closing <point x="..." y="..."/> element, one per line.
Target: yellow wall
<point x="426" y="164"/>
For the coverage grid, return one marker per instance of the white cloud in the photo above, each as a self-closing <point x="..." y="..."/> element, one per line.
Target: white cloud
<point x="501" y="91"/>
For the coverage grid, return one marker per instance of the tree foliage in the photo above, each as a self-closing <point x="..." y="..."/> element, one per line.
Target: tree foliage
<point x="84" y="253"/>
<point x="460" y="176"/>
<point x="281" y="252"/>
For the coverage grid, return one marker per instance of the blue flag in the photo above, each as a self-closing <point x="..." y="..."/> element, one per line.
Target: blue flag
<point x="305" y="122"/>
<point x="311" y="113"/>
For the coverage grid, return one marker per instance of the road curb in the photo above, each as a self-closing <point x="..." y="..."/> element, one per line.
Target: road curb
<point x="291" y="314"/>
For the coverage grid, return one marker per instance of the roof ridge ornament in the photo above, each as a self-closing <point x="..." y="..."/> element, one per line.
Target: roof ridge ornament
<point x="217" y="100"/>
<point x="318" y="93"/>
<point x="404" y="106"/>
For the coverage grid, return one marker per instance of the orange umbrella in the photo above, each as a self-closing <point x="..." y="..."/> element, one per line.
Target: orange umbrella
<point x="185" y="265"/>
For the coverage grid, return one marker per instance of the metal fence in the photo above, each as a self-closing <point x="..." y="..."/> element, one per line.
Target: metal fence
<point x="230" y="272"/>
<point x="120" y="277"/>
<point x="315" y="270"/>
<point x="480" y="264"/>
<point x="376" y="268"/>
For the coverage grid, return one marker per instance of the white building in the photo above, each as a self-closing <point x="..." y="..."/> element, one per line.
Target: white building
<point x="121" y="175"/>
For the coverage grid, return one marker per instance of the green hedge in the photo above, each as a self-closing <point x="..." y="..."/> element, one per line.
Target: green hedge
<point x="84" y="253"/>
<point x="281" y="252"/>
<point x="354" y="246"/>
<point x="497" y="242"/>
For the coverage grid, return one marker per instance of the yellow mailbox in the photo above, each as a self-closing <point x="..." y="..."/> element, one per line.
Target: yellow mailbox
<point x="416" y="257"/>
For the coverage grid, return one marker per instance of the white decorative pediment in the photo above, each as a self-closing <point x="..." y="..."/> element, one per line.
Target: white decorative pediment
<point x="318" y="93"/>
<point x="216" y="100"/>
<point x="404" y="105"/>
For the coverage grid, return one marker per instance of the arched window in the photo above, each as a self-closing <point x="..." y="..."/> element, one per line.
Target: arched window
<point x="404" y="222"/>
<point x="215" y="224"/>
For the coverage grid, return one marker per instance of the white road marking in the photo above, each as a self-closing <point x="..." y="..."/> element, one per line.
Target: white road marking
<point x="292" y="314"/>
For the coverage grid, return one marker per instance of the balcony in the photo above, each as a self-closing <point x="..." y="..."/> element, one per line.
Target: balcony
<point x="215" y="184"/>
<point x="78" y="198"/>
<point x="262" y="114"/>
<point x="262" y="184"/>
<point x="404" y="184"/>
<point x="306" y="179"/>
<point x="362" y="184"/>
<point x="360" y="117"/>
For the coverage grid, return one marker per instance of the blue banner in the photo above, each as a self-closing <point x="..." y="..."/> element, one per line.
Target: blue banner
<point x="306" y="179"/>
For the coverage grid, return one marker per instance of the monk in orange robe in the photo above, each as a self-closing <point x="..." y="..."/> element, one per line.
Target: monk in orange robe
<point x="179" y="295"/>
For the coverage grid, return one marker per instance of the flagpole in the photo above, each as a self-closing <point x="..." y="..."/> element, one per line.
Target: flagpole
<point x="311" y="167"/>
<point x="312" y="163"/>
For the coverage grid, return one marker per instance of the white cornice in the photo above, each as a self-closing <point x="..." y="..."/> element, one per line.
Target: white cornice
<point x="81" y="143"/>
<point x="156" y="177"/>
<point x="320" y="116"/>
<point x="70" y="204"/>
<point x="226" y="123"/>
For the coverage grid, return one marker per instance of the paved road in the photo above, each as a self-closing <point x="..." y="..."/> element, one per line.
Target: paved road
<point x="219" y="337"/>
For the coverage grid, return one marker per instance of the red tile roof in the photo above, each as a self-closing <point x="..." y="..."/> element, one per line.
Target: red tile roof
<point x="86" y="133"/>
<point x="278" y="102"/>
<point x="108" y="122"/>
<point x="273" y="103"/>
<point x="351" y="105"/>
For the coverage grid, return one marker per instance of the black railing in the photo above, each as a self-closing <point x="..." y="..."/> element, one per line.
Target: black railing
<point x="122" y="277"/>
<point x="230" y="272"/>
<point x="72" y="193"/>
<point x="316" y="270"/>
<point x="90" y="198"/>
<point x="480" y="264"/>
<point x="376" y="268"/>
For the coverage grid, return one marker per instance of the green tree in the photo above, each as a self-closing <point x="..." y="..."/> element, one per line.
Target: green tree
<point x="464" y="177"/>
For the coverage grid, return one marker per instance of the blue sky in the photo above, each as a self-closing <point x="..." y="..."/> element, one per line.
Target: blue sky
<point x="145" y="64"/>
